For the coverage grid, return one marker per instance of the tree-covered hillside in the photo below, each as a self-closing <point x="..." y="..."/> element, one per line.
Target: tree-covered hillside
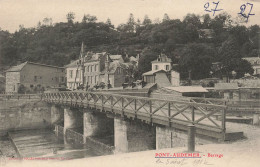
<point x="182" y="41"/>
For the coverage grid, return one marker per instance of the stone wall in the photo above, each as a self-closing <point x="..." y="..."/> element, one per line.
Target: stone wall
<point x="28" y="115"/>
<point x="170" y="138"/>
<point x="12" y="80"/>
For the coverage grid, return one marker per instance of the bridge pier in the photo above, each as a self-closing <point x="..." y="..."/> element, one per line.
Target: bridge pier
<point x="57" y="114"/>
<point x="97" y="125"/>
<point x="132" y="136"/>
<point x="167" y="137"/>
<point x="72" y="118"/>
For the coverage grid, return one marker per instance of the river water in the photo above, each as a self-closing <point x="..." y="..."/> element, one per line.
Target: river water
<point x="44" y="143"/>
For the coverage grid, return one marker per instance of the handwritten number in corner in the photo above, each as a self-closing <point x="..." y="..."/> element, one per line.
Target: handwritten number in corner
<point x="243" y="11"/>
<point x="206" y="6"/>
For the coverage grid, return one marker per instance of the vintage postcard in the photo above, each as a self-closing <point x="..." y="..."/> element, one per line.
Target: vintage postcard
<point x="130" y="83"/>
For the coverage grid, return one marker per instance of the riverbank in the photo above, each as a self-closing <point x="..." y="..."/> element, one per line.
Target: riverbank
<point x="6" y="148"/>
<point x="241" y="153"/>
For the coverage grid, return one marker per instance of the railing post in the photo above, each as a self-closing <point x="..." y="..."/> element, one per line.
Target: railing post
<point x="191" y="138"/>
<point x="193" y="114"/>
<point x="122" y="111"/>
<point x="135" y="109"/>
<point x="169" y="113"/>
<point x="151" y="111"/>
<point x="224" y="123"/>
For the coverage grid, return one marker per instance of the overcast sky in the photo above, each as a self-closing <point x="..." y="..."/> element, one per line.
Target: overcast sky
<point x="29" y="12"/>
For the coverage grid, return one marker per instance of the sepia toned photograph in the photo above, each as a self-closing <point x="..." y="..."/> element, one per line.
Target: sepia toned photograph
<point x="124" y="83"/>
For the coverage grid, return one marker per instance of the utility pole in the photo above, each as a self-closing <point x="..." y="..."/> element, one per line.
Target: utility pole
<point x="79" y="65"/>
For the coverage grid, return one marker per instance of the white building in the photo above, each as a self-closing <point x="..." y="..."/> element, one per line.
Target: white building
<point x="74" y="75"/>
<point x="162" y="63"/>
<point x="255" y="62"/>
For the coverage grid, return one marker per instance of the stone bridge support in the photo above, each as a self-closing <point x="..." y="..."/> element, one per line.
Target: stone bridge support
<point x="57" y="115"/>
<point x="133" y="136"/>
<point x="167" y="137"/>
<point x="72" y="118"/>
<point x="97" y="125"/>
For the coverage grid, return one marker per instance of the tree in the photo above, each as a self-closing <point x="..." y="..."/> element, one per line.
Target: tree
<point x="166" y="17"/>
<point x="130" y="25"/>
<point x="70" y="17"/>
<point x="108" y="22"/>
<point x="196" y="58"/>
<point x="89" y="19"/>
<point x="147" y="20"/>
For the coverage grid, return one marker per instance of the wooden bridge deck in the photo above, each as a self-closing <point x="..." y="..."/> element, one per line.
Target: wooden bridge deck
<point x="169" y="113"/>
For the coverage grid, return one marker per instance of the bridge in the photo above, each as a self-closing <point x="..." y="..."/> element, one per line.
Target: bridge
<point x="134" y="120"/>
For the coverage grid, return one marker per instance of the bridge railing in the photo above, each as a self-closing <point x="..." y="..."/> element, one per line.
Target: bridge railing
<point x="165" y="112"/>
<point x="20" y="96"/>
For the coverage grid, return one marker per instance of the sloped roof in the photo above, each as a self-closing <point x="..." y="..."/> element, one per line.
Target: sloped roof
<point x="72" y="64"/>
<point x="187" y="89"/>
<point x="162" y="58"/>
<point x="115" y="57"/>
<point x="21" y="66"/>
<point x="153" y="72"/>
<point x="226" y="86"/>
<point x="93" y="56"/>
<point x="132" y="58"/>
<point x="17" y="68"/>
<point x="114" y="65"/>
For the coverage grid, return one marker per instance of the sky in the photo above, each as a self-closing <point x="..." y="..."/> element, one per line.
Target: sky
<point x="29" y="12"/>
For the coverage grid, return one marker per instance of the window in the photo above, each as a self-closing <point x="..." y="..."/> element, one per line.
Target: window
<point x="96" y="79"/>
<point x="91" y="79"/>
<point x="71" y="73"/>
<point x="35" y="78"/>
<point x="96" y="67"/>
<point x="167" y="67"/>
<point x="62" y="79"/>
<point x="14" y="88"/>
<point x="88" y="69"/>
<point x="156" y="67"/>
<point x="78" y="74"/>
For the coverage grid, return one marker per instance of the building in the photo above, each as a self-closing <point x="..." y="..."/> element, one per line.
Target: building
<point x="255" y="62"/>
<point x="30" y="77"/>
<point x="74" y="74"/>
<point x="94" y="63"/>
<point x="96" y="68"/>
<point x="117" y="58"/>
<point x="162" y="63"/>
<point x="159" y="76"/>
<point x="114" y="73"/>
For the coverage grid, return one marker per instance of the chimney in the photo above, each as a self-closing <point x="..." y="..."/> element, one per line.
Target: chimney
<point x="138" y="57"/>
